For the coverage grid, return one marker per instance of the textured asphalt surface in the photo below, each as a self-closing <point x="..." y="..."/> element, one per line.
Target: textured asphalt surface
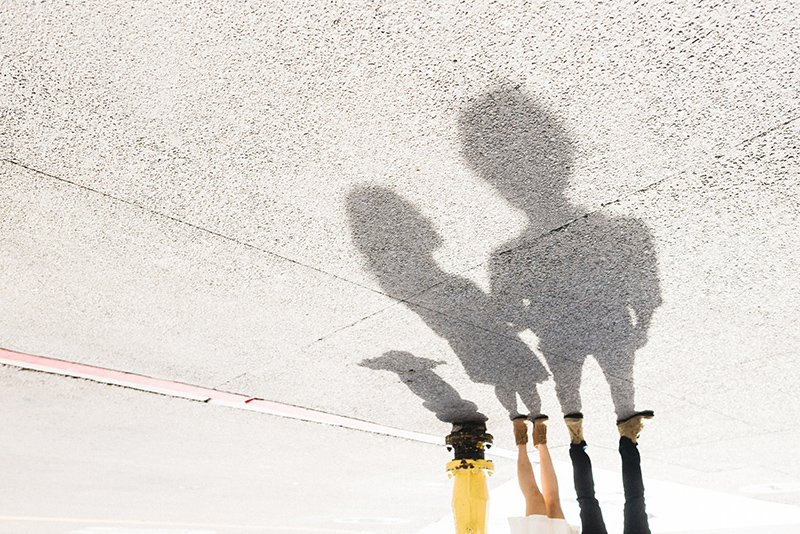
<point x="400" y="212"/>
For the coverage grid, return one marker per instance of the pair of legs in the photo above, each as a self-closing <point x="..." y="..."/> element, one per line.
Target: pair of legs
<point x="634" y="512"/>
<point x="537" y="502"/>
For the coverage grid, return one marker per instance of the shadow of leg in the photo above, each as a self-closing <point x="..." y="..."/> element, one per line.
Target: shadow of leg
<point x="618" y="371"/>
<point x="567" y="376"/>
<point x="531" y="399"/>
<point x="507" y="396"/>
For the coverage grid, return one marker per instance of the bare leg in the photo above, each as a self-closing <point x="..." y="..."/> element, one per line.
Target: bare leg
<point x="549" y="483"/>
<point x="534" y="501"/>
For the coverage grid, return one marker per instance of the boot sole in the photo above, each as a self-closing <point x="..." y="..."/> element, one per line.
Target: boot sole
<point x="647" y="414"/>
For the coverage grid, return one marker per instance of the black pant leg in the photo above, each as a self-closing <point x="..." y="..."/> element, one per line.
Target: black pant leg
<point x="635" y="514"/>
<point x="591" y="515"/>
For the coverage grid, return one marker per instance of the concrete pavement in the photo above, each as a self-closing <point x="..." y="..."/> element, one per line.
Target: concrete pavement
<point x="182" y="196"/>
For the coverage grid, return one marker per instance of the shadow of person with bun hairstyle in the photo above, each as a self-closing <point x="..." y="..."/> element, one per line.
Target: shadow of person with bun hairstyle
<point x="398" y="243"/>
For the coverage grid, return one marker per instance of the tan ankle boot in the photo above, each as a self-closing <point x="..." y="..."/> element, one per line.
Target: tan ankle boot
<point x="520" y="430"/>
<point x="631" y="427"/>
<point x="574" y="423"/>
<point x="540" y="430"/>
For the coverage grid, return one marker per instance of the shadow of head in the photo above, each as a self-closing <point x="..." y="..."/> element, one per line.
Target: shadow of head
<point x="394" y="238"/>
<point x="381" y="220"/>
<point x="517" y="146"/>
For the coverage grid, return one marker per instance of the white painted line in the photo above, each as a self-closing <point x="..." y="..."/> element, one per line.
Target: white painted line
<point x="261" y="528"/>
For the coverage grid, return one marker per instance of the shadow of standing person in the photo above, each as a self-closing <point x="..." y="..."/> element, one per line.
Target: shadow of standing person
<point x="585" y="288"/>
<point x="398" y="242"/>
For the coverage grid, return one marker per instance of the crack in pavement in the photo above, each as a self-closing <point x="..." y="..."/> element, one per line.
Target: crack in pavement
<point x="603" y="205"/>
<point x="190" y="225"/>
<point x="408" y="300"/>
<point x="766" y="132"/>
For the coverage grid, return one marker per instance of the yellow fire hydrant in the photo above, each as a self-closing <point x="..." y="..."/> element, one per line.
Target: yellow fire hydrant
<point x="469" y="469"/>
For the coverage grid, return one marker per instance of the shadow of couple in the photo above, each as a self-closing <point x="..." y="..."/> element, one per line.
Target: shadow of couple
<point x="584" y="284"/>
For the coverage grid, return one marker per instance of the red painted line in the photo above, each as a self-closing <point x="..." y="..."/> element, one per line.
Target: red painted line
<point x="187" y="391"/>
<point x="101" y="374"/>
<point x="213" y="396"/>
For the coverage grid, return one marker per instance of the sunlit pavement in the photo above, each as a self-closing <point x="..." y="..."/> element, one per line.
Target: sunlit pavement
<point x="203" y="194"/>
